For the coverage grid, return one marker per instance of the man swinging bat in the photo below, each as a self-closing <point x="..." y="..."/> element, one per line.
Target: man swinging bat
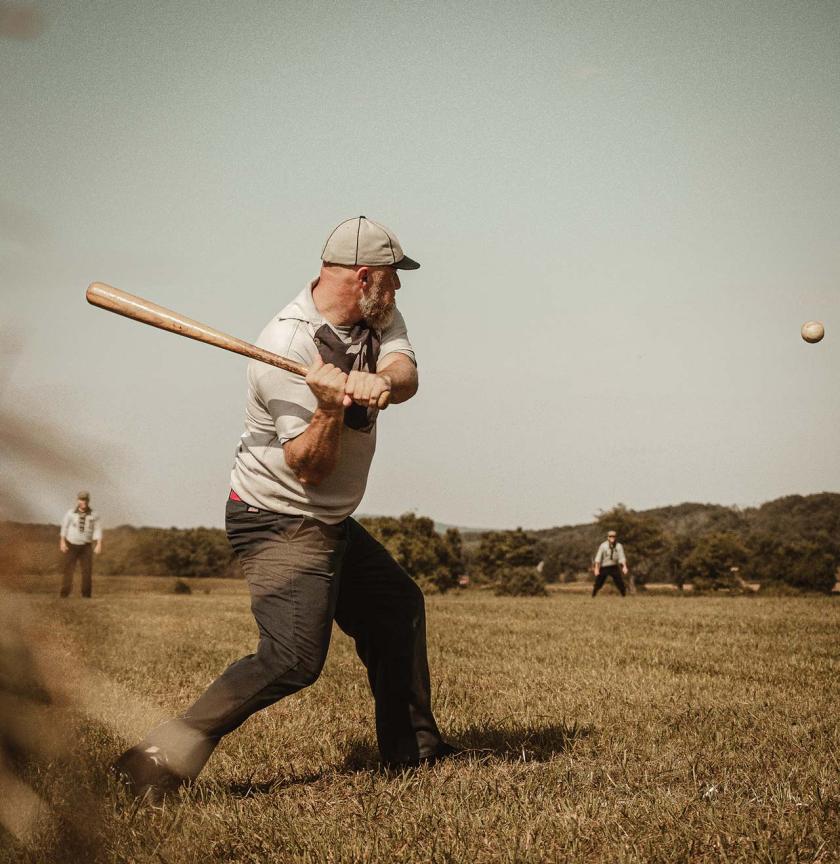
<point x="300" y="471"/>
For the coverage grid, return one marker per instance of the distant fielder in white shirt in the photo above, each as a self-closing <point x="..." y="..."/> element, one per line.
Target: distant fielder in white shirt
<point x="81" y="536"/>
<point x="610" y="561"/>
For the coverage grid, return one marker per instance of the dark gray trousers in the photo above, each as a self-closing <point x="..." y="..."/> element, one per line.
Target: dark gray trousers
<point x="609" y="572"/>
<point x="303" y="575"/>
<point x="83" y="553"/>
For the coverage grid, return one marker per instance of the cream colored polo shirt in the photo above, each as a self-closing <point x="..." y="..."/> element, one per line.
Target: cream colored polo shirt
<point x="610" y="556"/>
<point x="280" y="406"/>
<point x="79" y="528"/>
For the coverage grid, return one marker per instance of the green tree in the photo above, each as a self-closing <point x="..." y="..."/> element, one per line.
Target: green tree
<point x="553" y="560"/>
<point x="711" y="562"/>
<point x="802" y="517"/>
<point x="499" y="551"/>
<point x="186" y="553"/>
<point x="520" y="582"/>
<point x="454" y="560"/>
<point x="806" y="565"/>
<point x="678" y="547"/>
<point x="433" y="560"/>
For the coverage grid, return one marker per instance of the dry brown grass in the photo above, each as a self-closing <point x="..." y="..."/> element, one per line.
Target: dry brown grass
<point x="651" y="729"/>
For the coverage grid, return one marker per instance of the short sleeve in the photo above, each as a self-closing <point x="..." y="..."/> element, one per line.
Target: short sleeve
<point x="395" y="339"/>
<point x="286" y="397"/>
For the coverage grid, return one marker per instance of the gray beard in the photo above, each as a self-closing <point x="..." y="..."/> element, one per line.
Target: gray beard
<point x="376" y="315"/>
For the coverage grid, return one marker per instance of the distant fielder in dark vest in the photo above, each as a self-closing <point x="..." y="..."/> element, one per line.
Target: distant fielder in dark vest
<point x="610" y="563"/>
<point x="299" y="473"/>
<point x="81" y="537"/>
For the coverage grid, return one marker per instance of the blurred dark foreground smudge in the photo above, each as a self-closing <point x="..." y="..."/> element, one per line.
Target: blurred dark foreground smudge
<point x="36" y="693"/>
<point x="36" y="742"/>
<point x="21" y="21"/>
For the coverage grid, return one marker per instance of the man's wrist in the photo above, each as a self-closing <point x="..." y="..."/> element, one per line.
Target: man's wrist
<point x="331" y="411"/>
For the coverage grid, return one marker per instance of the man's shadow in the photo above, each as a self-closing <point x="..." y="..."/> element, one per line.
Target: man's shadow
<point x="538" y="741"/>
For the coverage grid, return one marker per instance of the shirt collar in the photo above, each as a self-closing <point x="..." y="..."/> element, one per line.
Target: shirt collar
<point x="303" y="307"/>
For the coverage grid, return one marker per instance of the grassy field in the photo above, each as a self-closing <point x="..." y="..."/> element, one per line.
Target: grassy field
<point x="656" y="728"/>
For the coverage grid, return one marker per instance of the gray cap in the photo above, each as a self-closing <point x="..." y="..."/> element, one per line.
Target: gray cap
<point x="362" y="241"/>
<point x="85" y="496"/>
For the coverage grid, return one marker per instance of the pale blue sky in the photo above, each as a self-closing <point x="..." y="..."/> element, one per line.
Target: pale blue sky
<point x="624" y="212"/>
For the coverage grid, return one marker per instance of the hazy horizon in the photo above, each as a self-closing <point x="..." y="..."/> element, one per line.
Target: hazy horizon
<point x="623" y="216"/>
<point x="441" y="526"/>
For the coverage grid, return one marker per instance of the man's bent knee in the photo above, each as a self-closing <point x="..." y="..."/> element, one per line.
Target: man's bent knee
<point x="304" y="675"/>
<point x="291" y="670"/>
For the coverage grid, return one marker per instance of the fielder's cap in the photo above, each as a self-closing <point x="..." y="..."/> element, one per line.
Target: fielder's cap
<point x="362" y="241"/>
<point x="85" y="496"/>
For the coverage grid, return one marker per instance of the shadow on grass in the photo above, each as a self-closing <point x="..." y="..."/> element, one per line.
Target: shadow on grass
<point x="537" y="741"/>
<point x="249" y="789"/>
<point x="534" y="742"/>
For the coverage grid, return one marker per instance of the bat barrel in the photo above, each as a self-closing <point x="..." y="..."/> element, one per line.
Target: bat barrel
<point x="139" y="309"/>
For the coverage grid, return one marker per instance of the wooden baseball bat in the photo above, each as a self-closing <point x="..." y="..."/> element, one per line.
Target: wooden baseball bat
<point x="123" y="303"/>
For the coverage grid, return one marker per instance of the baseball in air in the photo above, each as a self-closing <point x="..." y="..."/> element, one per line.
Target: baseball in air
<point x="813" y="331"/>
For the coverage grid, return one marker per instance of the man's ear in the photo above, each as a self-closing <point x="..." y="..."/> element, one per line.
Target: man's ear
<point x="362" y="275"/>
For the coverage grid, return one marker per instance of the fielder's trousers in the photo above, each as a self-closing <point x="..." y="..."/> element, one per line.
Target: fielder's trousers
<point x="83" y="553"/>
<point x="303" y="575"/>
<point x="607" y="572"/>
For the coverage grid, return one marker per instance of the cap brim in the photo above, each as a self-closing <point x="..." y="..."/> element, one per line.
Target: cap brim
<point x="406" y="263"/>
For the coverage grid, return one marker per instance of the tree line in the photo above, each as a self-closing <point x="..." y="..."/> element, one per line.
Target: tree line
<point x="129" y="551"/>
<point x="791" y="543"/>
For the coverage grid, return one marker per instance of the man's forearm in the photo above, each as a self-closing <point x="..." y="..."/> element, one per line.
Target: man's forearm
<point x="402" y="373"/>
<point x="314" y="453"/>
